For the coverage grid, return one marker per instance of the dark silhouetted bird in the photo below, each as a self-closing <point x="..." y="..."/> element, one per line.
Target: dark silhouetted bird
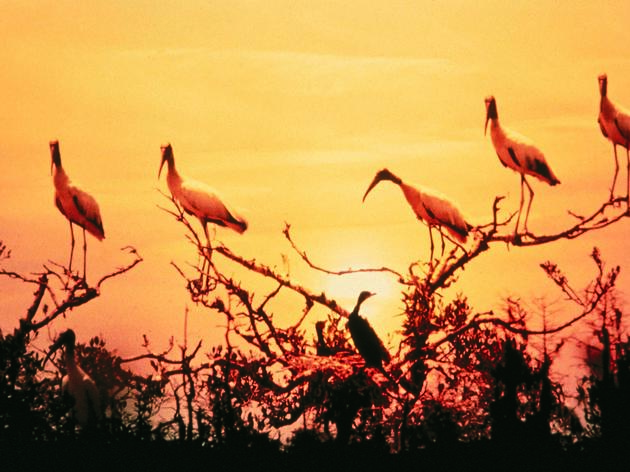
<point x="78" y="384"/>
<point x="322" y="348"/>
<point x="365" y="338"/>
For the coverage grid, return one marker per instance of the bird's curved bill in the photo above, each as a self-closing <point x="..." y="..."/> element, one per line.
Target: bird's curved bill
<point x="52" y="349"/>
<point x="161" y="165"/>
<point x="485" y="128"/>
<point x="375" y="181"/>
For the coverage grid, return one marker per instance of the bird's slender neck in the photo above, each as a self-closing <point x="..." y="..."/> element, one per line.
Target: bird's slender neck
<point x="320" y="336"/>
<point x="355" y="311"/>
<point x="56" y="158"/>
<point x="493" y="114"/>
<point x="60" y="178"/>
<point x="172" y="176"/>
<point x="603" y="88"/>
<point x="71" y="363"/>
<point x="59" y="173"/>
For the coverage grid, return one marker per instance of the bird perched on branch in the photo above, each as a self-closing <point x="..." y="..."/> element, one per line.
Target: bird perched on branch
<point x="78" y="206"/>
<point x="322" y="348"/>
<point x="519" y="154"/>
<point x="365" y="338"/>
<point x="430" y="207"/>
<point x="77" y="384"/>
<point x="614" y="121"/>
<point x="199" y="199"/>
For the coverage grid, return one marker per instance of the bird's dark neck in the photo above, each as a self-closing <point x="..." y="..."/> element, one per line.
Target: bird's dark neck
<point x="355" y="311"/>
<point x="170" y="162"/>
<point x="69" y="357"/>
<point x="493" y="114"/>
<point x="320" y="333"/>
<point x="397" y="180"/>
<point x="56" y="158"/>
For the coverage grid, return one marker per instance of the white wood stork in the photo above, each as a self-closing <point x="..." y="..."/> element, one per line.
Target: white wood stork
<point x="78" y="206"/>
<point x="430" y="207"/>
<point x="199" y="199"/>
<point x="78" y="384"/>
<point x="519" y="154"/>
<point x="614" y="121"/>
<point x="365" y="338"/>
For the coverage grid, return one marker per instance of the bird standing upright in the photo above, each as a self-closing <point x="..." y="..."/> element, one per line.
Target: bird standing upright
<point x="430" y="207"/>
<point x="77" y="206"/>
<point x="519" y="154"/>
<point x="198" y="199"/>
<point x="614" y="121"/>
<point x="78" y="384"/>
<point x="322" y="348"/>
<point x="365" y="338"/>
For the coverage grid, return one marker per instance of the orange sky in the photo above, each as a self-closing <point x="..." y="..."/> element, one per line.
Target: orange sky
<point x="288" y="109"/>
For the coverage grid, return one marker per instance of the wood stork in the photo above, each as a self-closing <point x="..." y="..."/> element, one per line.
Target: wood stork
<point x="198" y="199"/>
<point x="430" y="207"/>
<point x="322" y="348"/>
<point x="78" y="384"/>
<point x="78" y="206"/>
<point x="365" y="338"/>
<point x="519" y="154"/>
<point x="614" y="121"/>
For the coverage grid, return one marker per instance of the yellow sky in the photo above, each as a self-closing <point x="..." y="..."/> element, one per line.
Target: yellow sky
<point x="288" y="109"/>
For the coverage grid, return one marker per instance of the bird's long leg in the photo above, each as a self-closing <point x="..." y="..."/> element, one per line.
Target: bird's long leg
<point x="84" y="257"/>
<point x="520" y="208"/>
<point x="206" y="256"/>
<point x="529" y="203"/>
<point x="627" y="180"/>
<point x="71" y="247"/>
<point x="432" y="247"/>
<point x="443" y="244"/>
<point x="612" y="188"/>
<point x="455" y="242"/>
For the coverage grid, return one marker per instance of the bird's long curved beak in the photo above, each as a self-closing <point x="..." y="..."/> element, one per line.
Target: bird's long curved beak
<point x="485" y="128"/>
<point x="161" y="165"/>
<point x="52" y="349"/>
<point x="375" y="181"/>
<point x="54" y="151"/>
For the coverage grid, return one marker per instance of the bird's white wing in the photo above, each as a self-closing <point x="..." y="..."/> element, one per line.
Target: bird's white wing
<point x="445" y="213"/>
<point x="414" y="198"/>
<point x="529" y="158"/>
<point x="622" y="120"/>
<point x="93" y="397"/>
<point x="202" y="201"/>
<point x="88" y="213"/>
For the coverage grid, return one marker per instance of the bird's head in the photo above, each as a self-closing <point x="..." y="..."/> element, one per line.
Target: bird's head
<point x="382" y="174"/>
<point x="603" y="84"/>
<point x="167" y="155"/>
<point x="319" y="326"/>
<point x="363" y="296"/>
<point x="66" y="339"/>
<point x="491" y="111"/>
<point x="54" y="155"/>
